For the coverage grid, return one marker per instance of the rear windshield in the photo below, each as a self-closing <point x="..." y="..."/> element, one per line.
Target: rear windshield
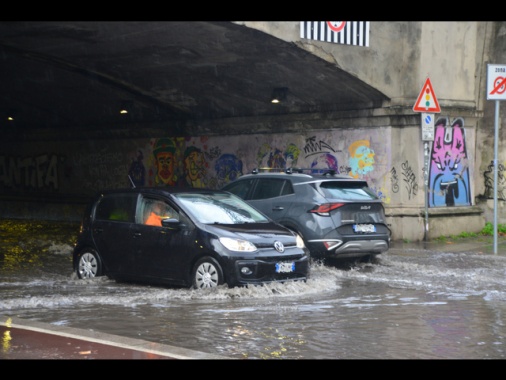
<point x="350" y="191"/>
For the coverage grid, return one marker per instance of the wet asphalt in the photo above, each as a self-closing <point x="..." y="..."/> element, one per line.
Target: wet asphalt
<point x="32" y="340"/>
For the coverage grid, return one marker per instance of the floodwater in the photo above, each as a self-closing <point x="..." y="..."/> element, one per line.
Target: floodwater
<point x="407" y="304"/>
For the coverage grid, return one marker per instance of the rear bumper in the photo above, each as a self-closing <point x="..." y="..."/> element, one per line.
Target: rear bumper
<point x="371" y="246"/>
<point x="352" y="248"/>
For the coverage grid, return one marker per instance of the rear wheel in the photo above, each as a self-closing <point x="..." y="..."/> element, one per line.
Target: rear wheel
<point x="89" y="265"/>
<point x="207" y="273"/>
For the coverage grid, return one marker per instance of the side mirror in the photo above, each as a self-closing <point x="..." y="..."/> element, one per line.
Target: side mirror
<point x="172" y="223"/>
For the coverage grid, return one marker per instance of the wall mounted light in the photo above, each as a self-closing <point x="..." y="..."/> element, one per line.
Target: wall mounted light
<point x="126" y="106"/>
<point x="279" y="94"/>
<point x="11" y="114"/>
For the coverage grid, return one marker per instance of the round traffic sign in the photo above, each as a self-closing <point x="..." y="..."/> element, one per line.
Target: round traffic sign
<point x="497" y="82"/>
<point x="336" y="26"/>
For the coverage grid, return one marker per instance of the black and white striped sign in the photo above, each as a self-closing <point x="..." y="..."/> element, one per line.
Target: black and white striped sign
<point x="352" y="33"/>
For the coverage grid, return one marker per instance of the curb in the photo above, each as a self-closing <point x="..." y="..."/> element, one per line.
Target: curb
<point x="25" y="339"/>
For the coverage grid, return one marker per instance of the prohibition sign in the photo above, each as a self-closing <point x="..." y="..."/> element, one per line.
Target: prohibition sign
<point x="499" y="86"/>
<point x="496" y="82"/>
<point x="336" y="26"/>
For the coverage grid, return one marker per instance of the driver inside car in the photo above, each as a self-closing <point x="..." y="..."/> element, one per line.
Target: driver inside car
<point x="158" y="212"/>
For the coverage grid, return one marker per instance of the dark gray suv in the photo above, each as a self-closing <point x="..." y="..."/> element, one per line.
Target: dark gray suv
<point x="338" y="216"/>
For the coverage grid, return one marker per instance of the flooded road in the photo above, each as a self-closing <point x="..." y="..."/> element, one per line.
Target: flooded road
<point x="409" y="304"/>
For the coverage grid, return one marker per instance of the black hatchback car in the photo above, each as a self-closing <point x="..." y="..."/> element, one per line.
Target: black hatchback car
<point x="185" y="237"/>
<point x="338" y="216"/>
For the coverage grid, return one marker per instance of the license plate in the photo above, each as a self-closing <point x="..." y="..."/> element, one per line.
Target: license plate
<point x="364" y="228"/>
<point x="285" y="267"/>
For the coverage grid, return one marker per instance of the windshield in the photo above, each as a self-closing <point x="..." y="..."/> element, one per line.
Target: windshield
<point x="220" y="208"/>
<point x="350" y="191"/>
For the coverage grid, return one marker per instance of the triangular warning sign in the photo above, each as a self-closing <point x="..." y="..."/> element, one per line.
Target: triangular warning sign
<point x="427" y="101"/>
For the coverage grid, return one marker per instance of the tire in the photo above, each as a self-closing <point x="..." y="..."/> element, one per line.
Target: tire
<point x="89" y="265"/>
<point x="207" y="273"/>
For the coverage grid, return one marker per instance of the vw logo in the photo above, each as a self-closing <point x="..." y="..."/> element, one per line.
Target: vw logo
<point x="279" y="246"/>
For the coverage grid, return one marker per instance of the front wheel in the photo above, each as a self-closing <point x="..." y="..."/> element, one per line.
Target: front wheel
<point x="89" y="265"/>
<point x="207" y="273"/>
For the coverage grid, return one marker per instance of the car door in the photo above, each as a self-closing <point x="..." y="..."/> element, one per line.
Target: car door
<point x="162" y="252"/>
<point x="112" y="231"/>
<point x="272" y="197"/>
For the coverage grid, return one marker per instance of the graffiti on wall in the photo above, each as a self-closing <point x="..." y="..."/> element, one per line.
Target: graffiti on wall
<point x="203" y="161"/>
<point x="166" y="155"/>
<point x="448" y="170"/>
<point x="318" y="154"/>
<point x="313" y="147"/>
<point x="32" y="173"/>
<point x="203" y="166"/>
<point x="322" y="156"/>
<point x="208" y="165"/>
<point x="394" y="180"/>
<point x="489" y="182"/>
<point x="137" y="171"/>
<point x="195" y="167"/>
<point x="98" y="169"/>
<point x="228" y="167"/>
<point x="273" y="157"/>
<point x="409" y="179"/>
<point x="361" y="159"/>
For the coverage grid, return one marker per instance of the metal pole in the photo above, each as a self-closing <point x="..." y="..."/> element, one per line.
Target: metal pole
<point x="496" y="168"/>
<point x="426" y="183"/>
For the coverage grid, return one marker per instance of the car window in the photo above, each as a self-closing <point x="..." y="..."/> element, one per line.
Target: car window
<point x="153" y="210"/>
<point x="118" y="207"/>
<point x="240" y="188"/>
<point x="347" y="190"/>
<point x="271" y="187"/>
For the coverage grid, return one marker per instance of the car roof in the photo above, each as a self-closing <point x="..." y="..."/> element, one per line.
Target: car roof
<point x="301" y="174"/>
<point x="165" y="190"/>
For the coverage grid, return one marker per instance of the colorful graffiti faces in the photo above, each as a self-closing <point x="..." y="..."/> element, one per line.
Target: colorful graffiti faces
<point x="449" y="172"/>
<point x="361" y="158"/>
<point x="195" y="167"/>
<point x="164" y="153"/>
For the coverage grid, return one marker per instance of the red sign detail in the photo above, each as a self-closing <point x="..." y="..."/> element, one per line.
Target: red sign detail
<point x="336" y="26"/>
<point x="430" y="104"/>
<point x="500" y="86"/>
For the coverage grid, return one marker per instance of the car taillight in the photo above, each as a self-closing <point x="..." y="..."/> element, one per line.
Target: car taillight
<point x="332" y="244"/>
<point x="326" y="208"/>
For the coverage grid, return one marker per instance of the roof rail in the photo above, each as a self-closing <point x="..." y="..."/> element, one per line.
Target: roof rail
<point x="291" y="170"/>
<point x="260" y="170"/>
<point x="314" y="170"/>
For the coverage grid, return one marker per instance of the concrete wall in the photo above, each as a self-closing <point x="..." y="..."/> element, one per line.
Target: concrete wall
<point x="402" y="54"/>
<point x="400" y="57"/>
<point x="454" y="55"/>
<point x="486" y="127"/>
<point x="389" y="158"/>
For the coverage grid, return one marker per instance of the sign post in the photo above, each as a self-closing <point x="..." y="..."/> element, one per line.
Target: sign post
<point x="427" y="104"/>
<point x="496" y="90"/>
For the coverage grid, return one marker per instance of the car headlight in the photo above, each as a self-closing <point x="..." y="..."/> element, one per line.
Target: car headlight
<point x="300" y="242"/>
<point x="238" y="245"/>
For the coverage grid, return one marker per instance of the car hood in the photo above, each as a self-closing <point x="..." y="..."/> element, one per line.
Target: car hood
<point x="254" y="232"/>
